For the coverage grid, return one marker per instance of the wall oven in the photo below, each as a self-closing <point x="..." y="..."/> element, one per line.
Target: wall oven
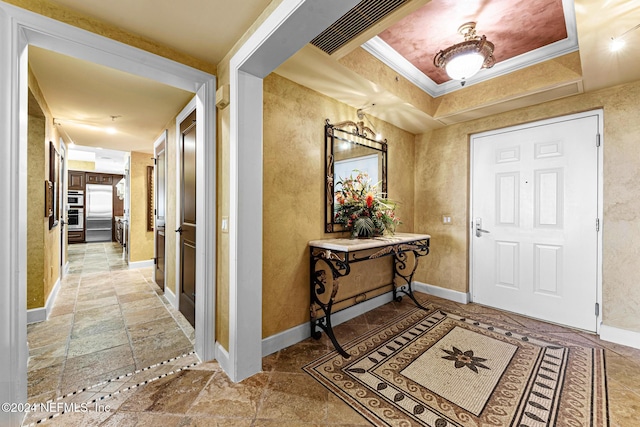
<point x="75" y="198"/>
<point x="76" y="218"/>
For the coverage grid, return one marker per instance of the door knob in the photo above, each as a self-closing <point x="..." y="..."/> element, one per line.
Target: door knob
<point x="478" y="227"/>
<point x="179" y="230"/>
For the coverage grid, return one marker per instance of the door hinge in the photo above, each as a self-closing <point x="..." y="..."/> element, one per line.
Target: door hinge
<point x="155" y="161"/>
<point x="597" y="140"/>
<point x="597" y="224"/>
<point x="155" y="261"/>
<point x="597" y="309"/>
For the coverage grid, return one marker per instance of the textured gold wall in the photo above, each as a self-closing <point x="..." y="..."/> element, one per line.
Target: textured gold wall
<point x="294" y="195"/>
<point x="81" y="165"/>
<point x="442" y="186"/>
<point x="35" y="210"/>
<point x="43" y="245"/>
<point x="140" y="240"/>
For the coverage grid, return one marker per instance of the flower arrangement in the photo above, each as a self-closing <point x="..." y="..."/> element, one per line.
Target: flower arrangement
<point x="362" y="209"/>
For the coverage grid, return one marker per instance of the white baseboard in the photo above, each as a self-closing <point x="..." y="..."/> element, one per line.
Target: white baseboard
<point x="222" y="357"/>
<point x="35" y="315"/>
<point x="140" y="264"/>
<point x="171" y="297"/>
<point x="66" y="268"/>
<point x="299" y="333"/>
<point x="437" y="291"/>
<point x="40" y="314"/>
<point x="620" y="336"/>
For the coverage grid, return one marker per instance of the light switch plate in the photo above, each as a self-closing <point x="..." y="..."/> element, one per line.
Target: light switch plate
<point x="446" y="219"/>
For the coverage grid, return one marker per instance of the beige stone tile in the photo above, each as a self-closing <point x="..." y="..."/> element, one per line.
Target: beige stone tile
<point x="61" y="309"/>
<point x="160" y="347"/>
<point x="96" y="294"/>
<point x="205" y="421"/>
<point x="97" y="314"/>
<point x="97" y="342"/>
<point x="127" y="285"/>
<point x="96" y="303"/>
<point x="211" y="365"/>
<point x="82" y="370"/>
<point x="87" y="326"/>
<point x="135" y="296"/>
<point x="141" y="419"/>
<point x="284" y="423"/>
<point x="143" y="304"/>
<point x="292" y="359"/>
<point x="133" y="317"/>
<point x="43" y="357"/>
<point x="293" y="398"/>
<point x="624" y="371"/>
<point x="156" y="326"/>
<point x="171" y="395"/>
<point x="53" y="331"/>
<point x="624" y="405"/>
<point x="223" y="398"/>
<point x="44" y="380"/>
<point x="339" y="413"/>
<point x="73" y="381"/>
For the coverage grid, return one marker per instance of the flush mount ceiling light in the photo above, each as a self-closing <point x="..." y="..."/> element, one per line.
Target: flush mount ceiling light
<point x="463" y="60"/>
<point x="618" y="43"/>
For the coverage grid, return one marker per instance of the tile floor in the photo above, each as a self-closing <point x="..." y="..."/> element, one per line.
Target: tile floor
<point x="283" y="395"/>
<point x="106" y="321"/>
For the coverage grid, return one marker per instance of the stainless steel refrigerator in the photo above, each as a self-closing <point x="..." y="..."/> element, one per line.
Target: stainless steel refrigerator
<point x="99" y="210"/>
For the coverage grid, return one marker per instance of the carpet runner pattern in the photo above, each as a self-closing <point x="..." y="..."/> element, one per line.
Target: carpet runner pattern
<point x="438" y="368"/>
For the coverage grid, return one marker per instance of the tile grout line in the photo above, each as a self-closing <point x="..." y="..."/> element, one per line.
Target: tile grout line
<point x="115" y="393"/>
<point x="124" y="376"/>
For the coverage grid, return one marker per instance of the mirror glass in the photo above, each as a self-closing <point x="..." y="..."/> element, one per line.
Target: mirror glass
<point x="348" y="148"/>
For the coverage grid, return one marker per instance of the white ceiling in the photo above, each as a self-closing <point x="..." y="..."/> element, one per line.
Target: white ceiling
<point x="83" y="97"/>
<point x="207" y="29"/>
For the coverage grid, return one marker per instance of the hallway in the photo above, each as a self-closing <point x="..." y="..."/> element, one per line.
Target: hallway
<point x="107" y="321"/>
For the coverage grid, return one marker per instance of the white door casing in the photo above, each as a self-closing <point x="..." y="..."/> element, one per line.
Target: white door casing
<point x="535" y="213"/>
<point x="20" y="28"/>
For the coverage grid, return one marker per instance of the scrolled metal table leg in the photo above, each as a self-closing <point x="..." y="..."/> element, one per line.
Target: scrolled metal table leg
<point x="400" y="267"/>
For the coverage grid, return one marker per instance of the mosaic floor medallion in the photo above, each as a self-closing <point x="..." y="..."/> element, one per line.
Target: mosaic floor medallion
<point x="440" y="369"/>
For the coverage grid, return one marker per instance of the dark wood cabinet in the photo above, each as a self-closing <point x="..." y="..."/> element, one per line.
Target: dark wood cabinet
<point x="76" y="180"/>
<point x="99" y="178"/>
<point x="76" y="236"/>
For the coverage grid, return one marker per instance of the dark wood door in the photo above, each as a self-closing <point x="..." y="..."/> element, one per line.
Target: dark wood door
<point x="160" y="198"/>
<point x="187" y="218"/>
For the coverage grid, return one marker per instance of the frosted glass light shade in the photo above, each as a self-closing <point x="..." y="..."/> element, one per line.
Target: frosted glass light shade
<point x="464" y="66"/>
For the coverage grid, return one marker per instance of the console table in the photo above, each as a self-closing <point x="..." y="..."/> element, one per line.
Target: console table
<point x="339" y="254"/>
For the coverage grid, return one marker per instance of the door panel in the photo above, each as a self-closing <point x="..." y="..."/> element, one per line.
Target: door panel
<point x="160" y="208"/>
<point x="535" y="205"/>
<point x="188" y="218"/>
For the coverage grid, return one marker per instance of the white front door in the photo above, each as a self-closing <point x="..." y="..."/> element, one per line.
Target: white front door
<point x="534" y="241"/>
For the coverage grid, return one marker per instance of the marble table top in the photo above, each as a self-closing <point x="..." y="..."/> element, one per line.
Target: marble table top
<point x="351" y="245"/>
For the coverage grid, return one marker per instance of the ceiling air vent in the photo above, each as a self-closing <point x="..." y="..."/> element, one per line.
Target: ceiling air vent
<point x="361" y="17"/>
